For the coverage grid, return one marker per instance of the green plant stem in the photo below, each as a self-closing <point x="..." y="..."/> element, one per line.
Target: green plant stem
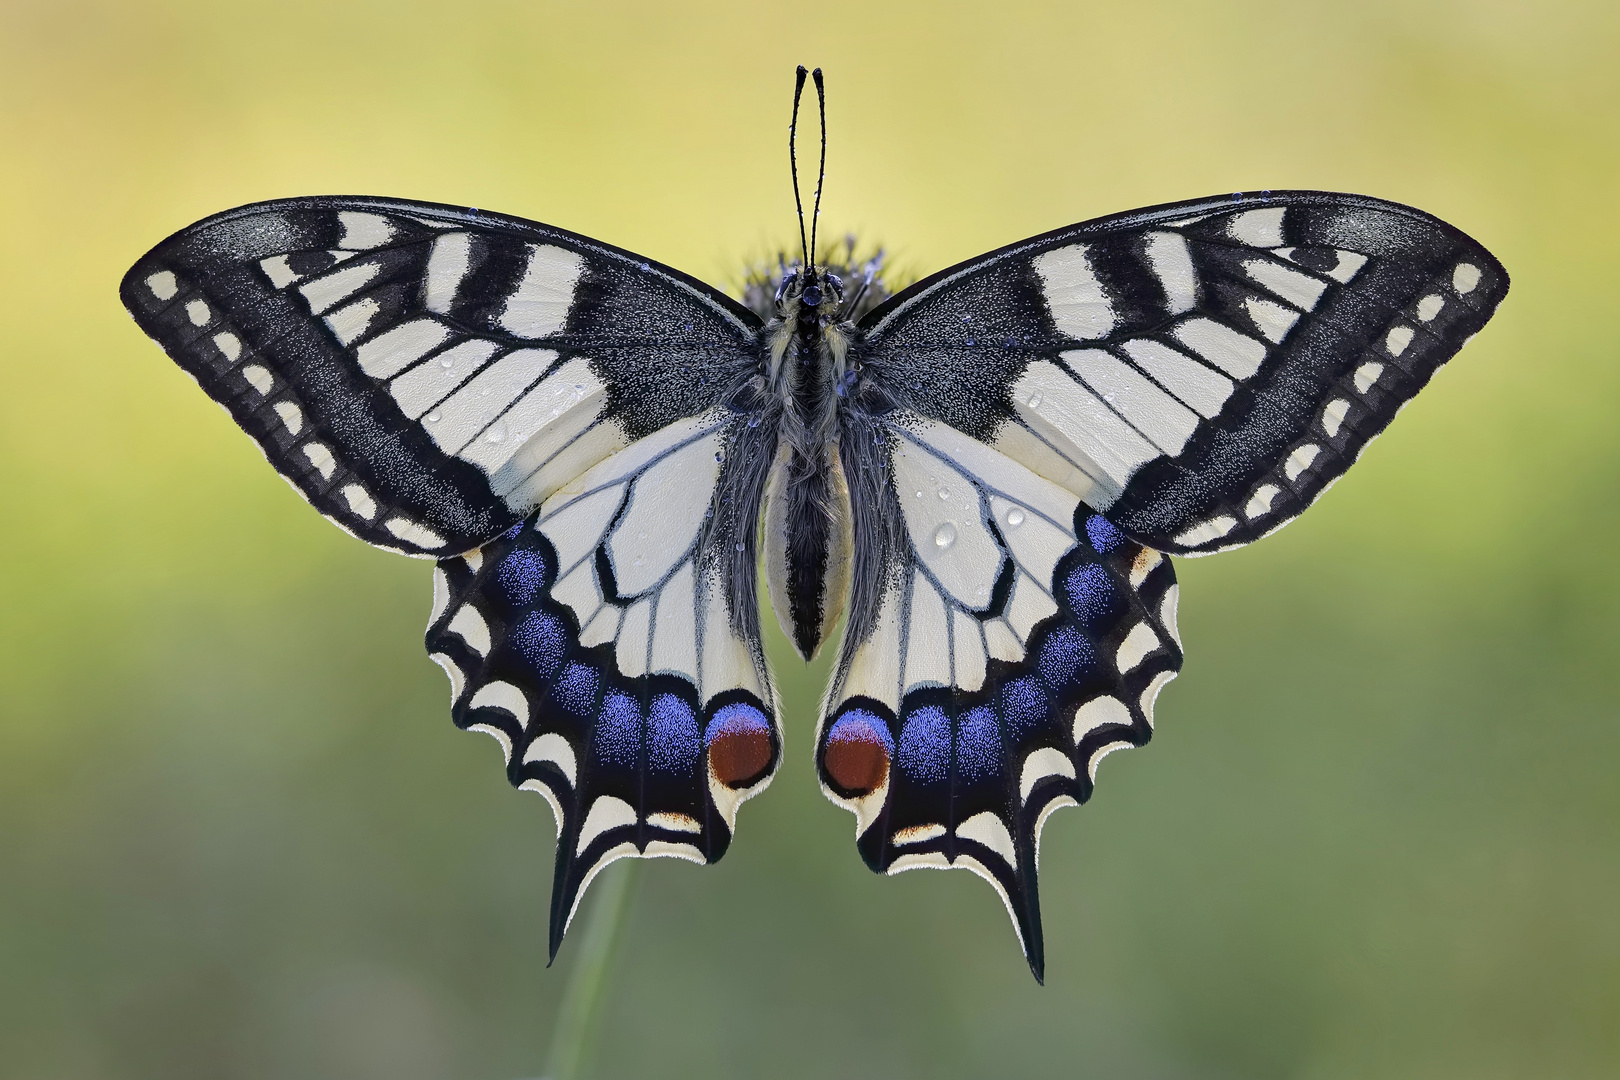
<point x="572" y="1038"/>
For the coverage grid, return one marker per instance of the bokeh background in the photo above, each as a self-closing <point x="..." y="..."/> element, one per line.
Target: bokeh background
<point x="1379" y="832"/>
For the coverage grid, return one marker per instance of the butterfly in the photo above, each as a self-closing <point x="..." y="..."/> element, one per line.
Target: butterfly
<point x="980" y="478"/>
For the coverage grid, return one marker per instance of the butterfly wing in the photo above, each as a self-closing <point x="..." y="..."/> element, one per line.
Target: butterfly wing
<point x="441" y="381"/>
<point x="1032" y="428"/>
<point x="1198" y="372"/>
<point x="599" y="643"/>
<point x="426" y="375"/>
<point x="1017" y="638"/>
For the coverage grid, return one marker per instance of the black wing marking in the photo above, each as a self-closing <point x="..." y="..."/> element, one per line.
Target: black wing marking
<point x="1199" y="372"/>
<point x="426" y="375"/>
<point x="597" y="642"/>
<point x="1017" y="639"/>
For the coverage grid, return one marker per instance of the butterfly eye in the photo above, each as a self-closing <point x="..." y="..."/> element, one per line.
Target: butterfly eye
<point x="789" y="280"/>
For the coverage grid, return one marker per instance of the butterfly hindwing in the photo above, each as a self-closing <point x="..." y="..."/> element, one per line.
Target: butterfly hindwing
<point x="1199" y="372"/>
<point x="597" y="643"/>
<point x="1015" y="638"/>
<point x="427" y="375"/>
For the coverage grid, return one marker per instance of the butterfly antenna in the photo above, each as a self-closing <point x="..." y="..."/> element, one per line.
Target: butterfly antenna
<point x="793" y="156"/>
<point x="821" y="173"/>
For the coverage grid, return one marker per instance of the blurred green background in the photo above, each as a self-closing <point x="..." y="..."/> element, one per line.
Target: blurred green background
<point x="1379" y="832"/>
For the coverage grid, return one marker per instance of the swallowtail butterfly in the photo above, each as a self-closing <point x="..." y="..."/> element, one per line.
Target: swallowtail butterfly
<point x="980" y="476"/>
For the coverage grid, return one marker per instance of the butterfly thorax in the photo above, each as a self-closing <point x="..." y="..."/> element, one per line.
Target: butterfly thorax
<point x="807" y="535"/>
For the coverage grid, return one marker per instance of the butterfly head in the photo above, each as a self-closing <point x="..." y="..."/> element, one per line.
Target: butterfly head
<point x="848" y="284"/>
<point x="810" y="293"/>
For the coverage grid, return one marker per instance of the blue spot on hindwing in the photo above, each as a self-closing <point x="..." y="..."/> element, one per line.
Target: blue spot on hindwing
<point x="616" y="736"/>
<point x="925" y="745"/>
<point x="522" y="576"/>
<point x="542" y="640"/>
<point x="672" y="735"/>
<point x="978" y="744"/>
<point x="735" y="719"/>
<point x="861" y="725"/>
<point x="1025" y="705"/>
<point x="575" y="689"/>
<point x="1102" y="534"/>
<point x="1065" y="656"/>
<point x="1097" y="599"/>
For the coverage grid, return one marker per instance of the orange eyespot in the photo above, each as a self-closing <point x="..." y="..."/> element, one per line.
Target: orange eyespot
<point x="857" y="754"/>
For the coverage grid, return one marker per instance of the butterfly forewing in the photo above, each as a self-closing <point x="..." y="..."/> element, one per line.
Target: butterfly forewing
<point x="427" y="375"/>
<point x="1199" y="372"/>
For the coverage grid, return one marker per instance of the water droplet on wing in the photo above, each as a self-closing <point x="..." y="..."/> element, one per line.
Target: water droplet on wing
<point x="945" y="536"/>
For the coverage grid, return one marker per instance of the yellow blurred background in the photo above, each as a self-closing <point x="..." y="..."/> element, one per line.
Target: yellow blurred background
<point x="1379" y="832"/>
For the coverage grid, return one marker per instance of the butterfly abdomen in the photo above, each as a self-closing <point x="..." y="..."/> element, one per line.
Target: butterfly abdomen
<point x="807" y="532"/>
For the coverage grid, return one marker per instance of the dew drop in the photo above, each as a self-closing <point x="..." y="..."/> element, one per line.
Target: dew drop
<point x="753" y="421"/>
<point x="1015" y="517"/>
<point x="945" y="536"/>
<point x="739" y="545"/>
<point x="919" y="494"/>
<point x="448" y="362"/>
<point x="432" y="417"/>
<point x="944" y="494"/>
<point x="1035" y="400"/>
<point x="496" y="432"/>
<point x="640" y="560"/>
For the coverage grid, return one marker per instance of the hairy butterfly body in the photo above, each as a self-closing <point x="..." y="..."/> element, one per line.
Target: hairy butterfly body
<point x="980" y="477"/>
